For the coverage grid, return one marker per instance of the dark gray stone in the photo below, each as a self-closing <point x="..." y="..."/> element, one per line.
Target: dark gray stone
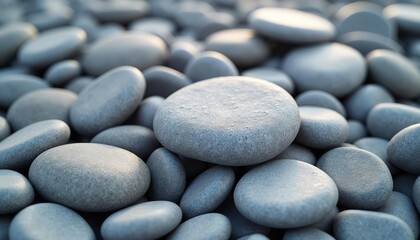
<point x="233" y="121"/>
<point x="323" y="99"/>
<point x="405" y="15"/>
<point x="365" y="42"/>
<point x="78" y="84"/>
<point x="181" y="53"/>
<point x="404" y="182"/>
<point x="109" y="101"/>
<point x="5" y="221"/>
<point x="62" y="72"/>
<point x="167" y="174"/>
<point x="119" y="11"/>
<point x="16" y="192"/>
<point x="163" y="81"/>
<point x="307" y="233"/>
<point x="149" y="220"/>
<point x="272" y="75"/>
<point x="271" y="194"/>
<point x="356" y="131"/>
<point x="362" y="178"/>
<point x="362" y="224"/>
<point x="90" y="177"/>
<point x="331" y="67"/>
<point x="19" y="149"/>
<point x="206" y="226"/>
<point x="49" y="221"/>
<point x="297" y="152"/>
<point x="4" y="128"/>
<point x="147" y="110"/>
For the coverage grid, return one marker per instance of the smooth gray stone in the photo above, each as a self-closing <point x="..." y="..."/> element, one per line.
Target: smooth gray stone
<point x="40" y="105"/>
<point x="13" y="86"/>
<point x="356" y="131"/>
<point x="385" y="66"/>
<point x="144" y="50"/>
<point x="297" y="152"/>
<point x="108" y="30"/>
<point x="4" y="128"/>
<point x="241" y="45"/>
<point x="213" y="22"/>
<point x="157" y="25"/>
<point x="404" y="149"/>
<point x="331" y="67"/>
<point x="387" y="119"/>
<point x="207" y="191"/>
<point x="88" y="23"/>
<point x="78" y="84"/>
<point x="405" y="15"/>
<point x="108" y="101"/>
<point x="208" y="65"/>
<point x="5" y="221"/>
<point x="361" y="101"/>
<point x="16" y="192"/>
<point x="49" y="221"/>
<point x="256" y="236"/>
<point x="149" y="220"/>
<point x="354" y="16"/>
<point x="292" y="26"/>
<point x="136" y="139"/>
<point x="181" y="53"/>
<point x="402" y="207"/>
<point x="168" y="176"/>
<point x="377" y="146"/>
<point x="307" y="233"/>
<point x="19" y="149"/>
<point x="188" y="13"/>
<point x="272" y="75"/>
<point x="163" y="81"/>
<point x="404" y="182"/>
<point x="62" y="72"/>
<point x="362" y="178"/>
<point x="247" y="121"/>
<point x="206" y="226"/>
<point x="52" y="46"/>
<point x="321" y="128"/>
<point x="119" y="11"/>
<point x="326" y="223"/>
<point x="147" y="110"/>
<point x="323" y="99"/>
<point x="414" y="48"/>
<point x="12" y="37"/>
<point x="90" y="177"/>
<point x="50" y="16"/>
<point x="365" y="42"/>
<point x="271" y="194"/>
<point x="362" y="224"/>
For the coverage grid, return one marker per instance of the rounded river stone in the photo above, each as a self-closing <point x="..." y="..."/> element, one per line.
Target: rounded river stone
<point x="271" y="194"/>
<point x="272" y="75"/>
<point x="49" y="221"/>
<point x="362" y="178"/>
<point x="163" y="81"/>
<point x="19" y="149"/>
<point x="148" y="220"/>
<point x="331" y="67"/>
<point x="323" y="99"/>
<point x="297" y="152"/>
<point x="255" y="236"/>
<point x="356" y="131"/>
<point x="406" y="16"/>
<point x="90" y="177"/>
<point x="108" y="101"/>
<point x="62" y="72"/>
<point x="307" y="233"/>
<point x="4" y="128"/>
<point x="231" y="121"/>
<point x="289" y="25"/>
<point x="181" y="53"/>
<point x="365" y="42"/>
<point x="78" y="84"/>
<point x="147" y="110"/>
<point x="119" y="11"/>
<point x="16" y="191"/>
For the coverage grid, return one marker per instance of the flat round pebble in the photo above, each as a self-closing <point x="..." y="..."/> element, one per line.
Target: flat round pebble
<point x="49" y="221"/>
<point x="272" y="75"/>
<point x="356" y="131"/>
<point x="323" y="99"/>
<point x="361" y="224"/>
<point x="120" y="11"/>
<point x="207" y="191"/>
<point x="62" y="72"/>
<point x="405" y="15"/>
<point x="144" y="50"/>
<point x="38" y="106"/>
<point x="362" y="178"/>
<point x="209" y="65"/>
<point x="90" y="177"/>
<point x="19" y="149"/>
<point x="167" y="174"/>
<point x="4" y="128"/>
<point x="245" y="121"/>
<point x="163" y="81"/>
<point x="365" y="42"/>
<point x="52" y="46"/>
<point x="298" y="152"/>
<point x="307" y="234"/>
<point x="330" y="67"/>
<point x="147" y="110"/>
<point x="109" y="101"/>
<point x="289" y="25"/>
<point x="149" y="220"/>
<point x="271" y="194"/>
<point x="206" y="226"/>
<point x="321" y="128"/>
<point x="16" y="192"/>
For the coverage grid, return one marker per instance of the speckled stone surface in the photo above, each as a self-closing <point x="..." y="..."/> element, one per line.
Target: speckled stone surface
<point x="362" y="178"/>
<point x="19" y="149"/>
<point x="16" y="192"/>
<point x="273" y="75"/>
<point x="90" y="177"/>
<point x="49" y="221"/>
<point x="307" y="233"/>
<point x="362" y="224"/>
<point x="207" y="191"/>
<point x="270" y="194"/>
<point x="109" y="101"/>
<point x="4" y="128"/>
<point x="148" y="220"/>
<point x="298" y="152"/>
<point x="239" y="126"/>
<point x="163" y="81"/>
<point x="147" y="110"/>
<point x="206" y="226"/>
<point x="323" y="99"/>
<point x="62" y="72"/>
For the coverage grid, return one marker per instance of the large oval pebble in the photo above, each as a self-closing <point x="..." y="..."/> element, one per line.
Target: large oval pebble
<point x="16" y="191"/>
<point x="90" y="177"/>
<point x="230" y="121"/>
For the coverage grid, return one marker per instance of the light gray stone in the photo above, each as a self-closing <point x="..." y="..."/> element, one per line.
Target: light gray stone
<point x="16" y="192"/>
<point x="322" y="99"/>
<point x="4" y="128"/>
<point x="298" y="152"/>
<point x="62" y="72"/>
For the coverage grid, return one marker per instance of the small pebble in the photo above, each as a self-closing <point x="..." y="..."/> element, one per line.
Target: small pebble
<point x="78" y="84"/>
<point x="163" y="81"/>
<point x="181" y="53"/>
<point x="356" y="131"/>
<point x="62" y="72"/>
<point x="255" y="236"/>
<point x="322" y="99"/>
<point x="16" y="192"/>
<point x="298" y="152"/>
<point x="272" y="75"/>
<point x="4" y="128"/>
<point x="307" y="234"/>
<point x="119" y="11"/>
<point x="147" y="110"/>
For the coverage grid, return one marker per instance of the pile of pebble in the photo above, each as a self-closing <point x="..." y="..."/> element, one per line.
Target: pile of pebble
<point x="217" y="119"/>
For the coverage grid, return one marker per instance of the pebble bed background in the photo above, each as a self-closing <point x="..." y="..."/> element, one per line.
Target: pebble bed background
<point x="217" y="119"/>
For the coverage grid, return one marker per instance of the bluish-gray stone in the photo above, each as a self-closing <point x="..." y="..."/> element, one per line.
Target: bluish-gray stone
<point x="322" y="99"/>
<point x="16" y="192"/>
<point x="298" y="152"/>
<point x="163" y="81"/>
<point x="356" y="131"/>
<point x="5" y="221"/>
<point x="4" y="128"/>
<point x="119" y="11"/>
<point x="405" y="15"/>
<point x="147" y="110"/>
<point x="272" y="75"/>
<point x="404" y="182"/>
<point x="62" y="72"/>
<point x="307" y="233"/>
<point x="255" y="236"/>
<point x="366" y="42"/>
<point x="78" y="84"/>
<point x="181" y="53"/>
